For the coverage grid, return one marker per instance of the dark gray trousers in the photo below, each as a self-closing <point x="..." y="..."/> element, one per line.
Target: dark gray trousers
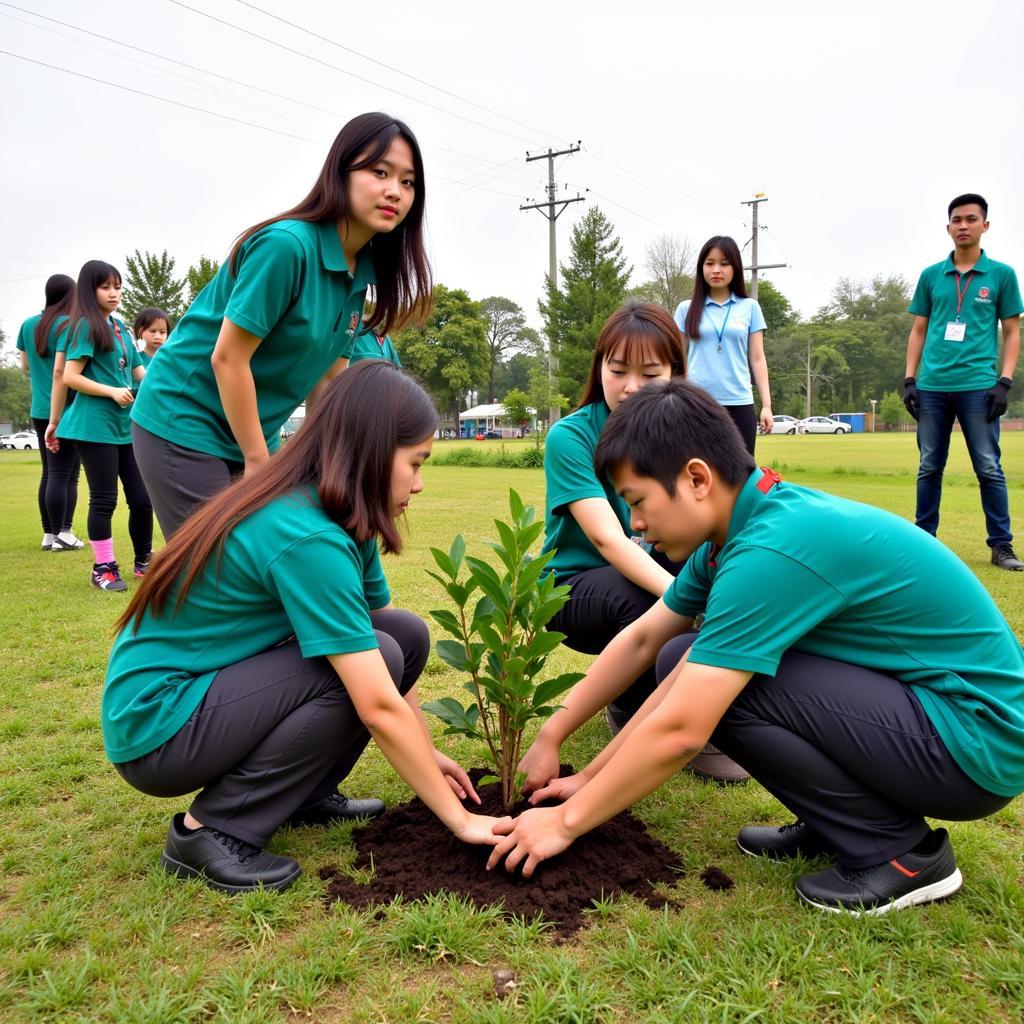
<point x="178" y="479"/>
<point x="849" y="751"/>
<point x="273" y="733"/>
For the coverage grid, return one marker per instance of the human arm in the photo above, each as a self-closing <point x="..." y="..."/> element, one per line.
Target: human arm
<point x="403" y="741"/>
<point x="232" y="369"/>
<point x="321" y="385"/>
<point x="58" y="399"/>
<point x="668" y="737"/>
<point x="626" y="657"/>
<point x="759" y="371"/>
<point x="24" y="361"/>
<point x="598" y="521"/>
<point x="138" y="372"/>
<point x="74" y="377"/>
<point x="997" y="396"/>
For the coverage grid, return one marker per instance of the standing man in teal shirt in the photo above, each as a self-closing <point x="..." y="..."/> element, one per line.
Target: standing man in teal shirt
<point x="951" y="370"/>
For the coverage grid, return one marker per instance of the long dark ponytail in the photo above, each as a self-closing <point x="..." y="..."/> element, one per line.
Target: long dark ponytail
<point x="731" y="251"/>
<point x="399" y="257"/>
<point x="60" y="293"/>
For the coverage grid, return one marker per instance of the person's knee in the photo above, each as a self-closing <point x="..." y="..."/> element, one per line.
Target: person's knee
<point x="408" y="644"/>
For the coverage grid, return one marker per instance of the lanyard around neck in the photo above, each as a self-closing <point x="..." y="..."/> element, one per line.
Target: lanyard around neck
<point x="961" y="295"/>
<point x="720" y="333"/>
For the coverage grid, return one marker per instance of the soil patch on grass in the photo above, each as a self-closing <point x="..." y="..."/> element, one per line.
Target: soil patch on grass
<point x="413" y="855"/>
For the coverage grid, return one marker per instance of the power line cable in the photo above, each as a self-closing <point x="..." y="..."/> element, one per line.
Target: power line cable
<point x="214" y="74"/>
<point x="345" y="71"/>
<point x="397" y="71"/>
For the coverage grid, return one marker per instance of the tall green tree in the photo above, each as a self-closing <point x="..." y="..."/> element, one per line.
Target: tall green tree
<point x="15" y="397"/>
<point x="449" y="352"/>
<point x="593" y="284"/>
<point x="150" y="281"/>
<point x="778" y="310"/>
<point x="199" y="275"/>
<point x="506" y="325"/>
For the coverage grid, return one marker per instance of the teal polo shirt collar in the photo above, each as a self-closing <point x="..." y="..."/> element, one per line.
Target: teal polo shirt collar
<point x="981" y="267"/>
<point x="758" y="484"/>
<point x="333" y="256"/>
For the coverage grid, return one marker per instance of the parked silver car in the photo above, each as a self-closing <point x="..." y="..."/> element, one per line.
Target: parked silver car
<point x="822" y="425"/>
<point x="23" y="440"/>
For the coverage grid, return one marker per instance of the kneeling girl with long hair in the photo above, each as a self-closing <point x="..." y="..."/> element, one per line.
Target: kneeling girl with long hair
<point x="262" y="652"/>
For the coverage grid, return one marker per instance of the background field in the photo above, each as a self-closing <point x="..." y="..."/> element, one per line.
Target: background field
<point x="91" y="930"/>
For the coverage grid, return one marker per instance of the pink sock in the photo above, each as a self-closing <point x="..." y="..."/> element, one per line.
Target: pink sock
<point x="103" y="550"/>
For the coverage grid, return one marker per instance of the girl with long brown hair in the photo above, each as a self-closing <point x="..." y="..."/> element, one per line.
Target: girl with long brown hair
<point x="262" y="651"/>
<point x="278" y="320"/>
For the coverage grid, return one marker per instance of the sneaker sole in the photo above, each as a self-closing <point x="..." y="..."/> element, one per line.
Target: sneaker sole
<point x="174" y="867"/>
<point x="940" y="890"/>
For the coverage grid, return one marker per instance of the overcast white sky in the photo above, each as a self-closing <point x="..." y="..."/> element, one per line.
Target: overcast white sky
<point x="860" y="122"/>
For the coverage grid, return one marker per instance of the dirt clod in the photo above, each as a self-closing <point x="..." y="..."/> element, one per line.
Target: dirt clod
<point x="504" y="983"/>
<point x="716" y="879"/>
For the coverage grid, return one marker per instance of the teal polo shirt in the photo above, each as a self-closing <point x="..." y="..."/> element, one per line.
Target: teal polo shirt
<point x="285" y="570"/>
<point x="292" y="289"/>
<point x="569" y="476"/>
<point x="96" y="417"/>
<point x="805" y="570"/>
<point x="992" y="294"/>
<point x="146" y="358"/>
<point x="724" y="375"/>
<point x="40" y="368"/>
<point x="371" y="346"/>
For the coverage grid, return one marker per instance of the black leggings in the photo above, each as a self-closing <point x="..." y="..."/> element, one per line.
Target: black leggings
<point x="273" y="732"/>
<point x="848" y="750"/>
<point x="104" y="465"/>
<point x="58" y="486"/>
<point x="745" y="419"/>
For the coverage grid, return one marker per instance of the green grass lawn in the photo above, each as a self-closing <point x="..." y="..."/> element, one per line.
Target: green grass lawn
<point x="92" y="930"/>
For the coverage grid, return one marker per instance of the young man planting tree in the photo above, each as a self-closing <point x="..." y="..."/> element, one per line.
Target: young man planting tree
<point x="951" y="370"/>
<point x="831" y="665"/>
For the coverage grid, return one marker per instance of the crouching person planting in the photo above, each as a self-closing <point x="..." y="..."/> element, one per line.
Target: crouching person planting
<point x="262" y="651"/>
<point x="832" y="665"/>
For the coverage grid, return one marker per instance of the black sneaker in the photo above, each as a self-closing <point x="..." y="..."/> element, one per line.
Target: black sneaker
<point x="335" y="808"/>
<point x="107" y="576"/>
<point x="783" y="842"/>
<point x="713" y="765"/>
<point x="1004" y="557"/>
<point x="616" y="719"/>
<point x="225" y="863"/>
<point x="141" y="567"/>
<point x="902" y="882"/>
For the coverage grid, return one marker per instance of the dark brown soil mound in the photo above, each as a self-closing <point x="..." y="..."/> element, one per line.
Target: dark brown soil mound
<point x="414" y="855"/>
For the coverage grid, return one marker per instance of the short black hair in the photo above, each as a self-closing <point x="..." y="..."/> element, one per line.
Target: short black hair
<point x="664" y="425"/>
<point x="966" y="200"/>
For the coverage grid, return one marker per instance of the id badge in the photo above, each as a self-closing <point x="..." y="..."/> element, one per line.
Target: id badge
<point x="955" y="331"/>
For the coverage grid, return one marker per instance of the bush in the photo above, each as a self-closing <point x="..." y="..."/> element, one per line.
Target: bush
<point x="491" y="458"/>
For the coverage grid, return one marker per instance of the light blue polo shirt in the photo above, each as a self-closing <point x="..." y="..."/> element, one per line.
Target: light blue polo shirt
<point x="809" y="571"/>
<point x="724" y="375"/>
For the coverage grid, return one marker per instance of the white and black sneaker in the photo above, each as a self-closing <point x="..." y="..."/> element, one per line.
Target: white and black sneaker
<point x="926" y="873"/>
<point x="107" y="576"/>
<point x="66" y="541"/>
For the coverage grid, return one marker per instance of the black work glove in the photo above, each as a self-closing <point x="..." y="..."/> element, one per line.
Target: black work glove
<point x="911" y="399"/>
<point x="996" y="398"/>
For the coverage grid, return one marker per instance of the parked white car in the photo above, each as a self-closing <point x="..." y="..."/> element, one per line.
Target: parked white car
<point x="822" y="425"/>
<point x="784" y="424"/>
<point x="23" y="440"/>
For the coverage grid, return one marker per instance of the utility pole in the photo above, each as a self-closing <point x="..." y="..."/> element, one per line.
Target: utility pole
<point x="759" y="197"/>
<point x="549" y="211"/>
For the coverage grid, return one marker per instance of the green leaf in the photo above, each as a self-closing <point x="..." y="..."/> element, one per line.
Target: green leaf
<point x="486" y="780"/>
<point x="458" y="593"/>
<point x="529" y="534"/>
<point x="508" y="539"/>
<point x="457" y="551"/>
<point x="552" y="688"/>
<point x="446" y="620"/>
<point x="444" y="563"/>
<point x="543" y="643"/>
<point x="507" y="560"/>
<point x="454" y="715"/>
<point x="453" y="653"/>
<point x="516" y="505"/>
